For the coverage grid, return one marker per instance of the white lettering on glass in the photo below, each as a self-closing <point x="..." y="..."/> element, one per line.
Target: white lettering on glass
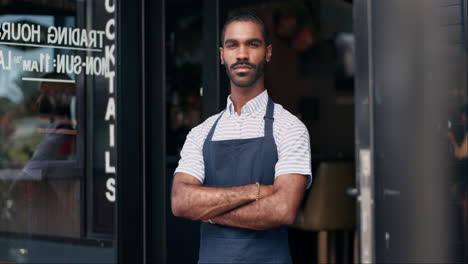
<point x="110" y="76"/>
<point x="110" y="186"/>
<point x="110" y="112"/>
<point x="20" y="32"/>
<point x="75" y="37"/>
<point x="109" y="168"/>
<point x="111" y="135"/>
<point x="110" y="33"/>
<point x="109" y="56"/>
<point x="5" y="65"/>
<point x="110" y="8"/>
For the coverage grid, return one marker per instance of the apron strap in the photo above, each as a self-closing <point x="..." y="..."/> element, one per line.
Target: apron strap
<point x="206" y="146"/>
<point x="268" y="142"/>
<point x="211" y="133"/>
<point x="269" y="118"/>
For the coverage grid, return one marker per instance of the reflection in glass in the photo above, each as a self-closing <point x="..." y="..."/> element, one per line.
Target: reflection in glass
<point x="49" y="182"/>
<point x="47" y="152"/>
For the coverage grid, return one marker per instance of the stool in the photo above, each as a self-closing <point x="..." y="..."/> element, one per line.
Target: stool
<point x="328" y="208"/>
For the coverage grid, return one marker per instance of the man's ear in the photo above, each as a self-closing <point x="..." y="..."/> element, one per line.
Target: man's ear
<point x="221" y="54"/>
<point x="269" y="50"/>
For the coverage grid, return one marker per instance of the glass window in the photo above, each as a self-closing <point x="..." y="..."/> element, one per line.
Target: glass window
<point x="57" y="123"/>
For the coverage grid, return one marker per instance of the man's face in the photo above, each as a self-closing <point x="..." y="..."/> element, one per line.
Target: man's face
<point x="244" y="53"/>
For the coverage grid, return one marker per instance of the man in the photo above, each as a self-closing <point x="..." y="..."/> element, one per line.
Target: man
<point x="243" y="172"/>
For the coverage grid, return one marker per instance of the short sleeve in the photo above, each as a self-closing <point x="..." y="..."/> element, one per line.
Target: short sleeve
<point x="294" y="152"/>
<point x="191" y="156"/>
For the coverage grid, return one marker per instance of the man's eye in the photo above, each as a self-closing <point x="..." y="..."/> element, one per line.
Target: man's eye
<point x="231" y="45"/>
<point x="255" y="45"/>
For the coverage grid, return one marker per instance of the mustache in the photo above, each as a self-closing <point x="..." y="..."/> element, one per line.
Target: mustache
<point x="243" y="63"/>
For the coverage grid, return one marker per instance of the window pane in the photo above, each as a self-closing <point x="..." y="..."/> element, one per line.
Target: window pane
<point x="57" y="115"/>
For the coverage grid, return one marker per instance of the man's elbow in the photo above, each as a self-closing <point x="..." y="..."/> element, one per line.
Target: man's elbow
<point x="287" y="218"/>
<point x="290" y="218"/>
<point x="282" y="218"/>
<point x="287" y="215"/>
<point x="177" y="210"/>
<point x="178" y="205"/>
<point x="177" y="201"/>
<point x="180" y="209"/>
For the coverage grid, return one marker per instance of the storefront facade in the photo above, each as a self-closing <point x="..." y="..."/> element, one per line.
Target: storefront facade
<point x="96" y="98"/>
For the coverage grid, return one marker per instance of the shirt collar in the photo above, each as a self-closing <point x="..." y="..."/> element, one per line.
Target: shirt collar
<point x="254" y="105"/>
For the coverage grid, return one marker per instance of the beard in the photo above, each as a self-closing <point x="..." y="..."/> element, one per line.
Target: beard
<point x="246" y="79"/>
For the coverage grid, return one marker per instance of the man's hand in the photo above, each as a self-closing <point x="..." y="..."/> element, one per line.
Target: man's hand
<point x="189" y="199"/>
<point x="273" y="210"/>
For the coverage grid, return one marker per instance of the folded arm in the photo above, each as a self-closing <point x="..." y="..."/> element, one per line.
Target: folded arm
<point x="189" y="199"/>
<point x="461" y="151"/>
<point x="279" y="208"/>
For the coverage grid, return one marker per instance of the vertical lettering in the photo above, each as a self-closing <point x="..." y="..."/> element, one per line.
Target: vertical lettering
<point x="111" y="76"/>
<point x="110" y="54"/>
<point x="110" y="185"/>
<point x="110" y="112"/>
<point x="111" y="135"/>
<point x="109" y="168"/>
<point x="110" y="8"/>
<point x="110" y="34"/>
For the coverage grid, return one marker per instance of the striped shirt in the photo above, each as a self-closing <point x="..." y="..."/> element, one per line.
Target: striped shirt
<point x="290" y="134"/>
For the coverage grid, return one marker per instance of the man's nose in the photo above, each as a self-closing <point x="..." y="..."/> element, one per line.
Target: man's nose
<point x="243" y="54"/>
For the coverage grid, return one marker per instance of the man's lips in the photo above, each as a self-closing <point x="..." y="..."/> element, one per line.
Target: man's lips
<point x="242" y="68"/>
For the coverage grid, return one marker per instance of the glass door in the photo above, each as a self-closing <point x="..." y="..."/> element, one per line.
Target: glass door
<point x="412" y="130"/>
<point x="57" y="131"/>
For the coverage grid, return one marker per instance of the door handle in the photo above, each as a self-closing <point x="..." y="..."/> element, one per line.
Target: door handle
<point x="391" y="192"/>
<point x="353" y="192"/>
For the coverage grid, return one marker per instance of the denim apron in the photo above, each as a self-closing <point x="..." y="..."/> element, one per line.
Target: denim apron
<point x="240" y="162"/>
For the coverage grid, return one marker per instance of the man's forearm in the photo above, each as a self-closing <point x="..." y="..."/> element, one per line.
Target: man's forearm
<point x="198" y="202"/>
<point x="270" y="212"/>
<point x="279" y="208"/>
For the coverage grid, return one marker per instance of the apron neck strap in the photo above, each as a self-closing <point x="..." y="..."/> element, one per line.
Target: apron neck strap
<point x="210" y="134"/>
<point x="269" y="118"/>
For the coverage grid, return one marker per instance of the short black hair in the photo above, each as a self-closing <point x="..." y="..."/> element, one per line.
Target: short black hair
<point x="246" y="16"/>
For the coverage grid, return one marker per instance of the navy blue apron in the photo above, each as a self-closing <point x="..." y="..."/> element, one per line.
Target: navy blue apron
<point x="240" y="162"/>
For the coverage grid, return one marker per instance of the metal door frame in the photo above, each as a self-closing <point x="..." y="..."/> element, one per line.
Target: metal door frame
<point x="364" y="145"/>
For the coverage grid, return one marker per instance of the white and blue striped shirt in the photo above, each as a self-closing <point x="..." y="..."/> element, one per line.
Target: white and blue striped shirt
<point x="291" y="138"/>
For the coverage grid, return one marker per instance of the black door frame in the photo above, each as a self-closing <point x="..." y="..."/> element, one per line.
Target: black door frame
<point x="140" y="207"/>
<point x="129" y="95"/>
<point x="154" y="94"/>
